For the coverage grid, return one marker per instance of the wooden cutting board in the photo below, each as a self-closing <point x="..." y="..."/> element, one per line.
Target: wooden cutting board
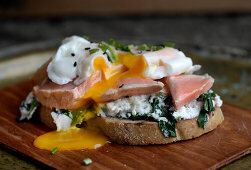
<point x="230" y="141"/>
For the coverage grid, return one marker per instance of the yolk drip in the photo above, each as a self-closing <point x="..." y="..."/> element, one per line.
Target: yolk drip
<point x="72" y="139"/>
<point x="126" y="67"/>
<point x="90" y="138"/>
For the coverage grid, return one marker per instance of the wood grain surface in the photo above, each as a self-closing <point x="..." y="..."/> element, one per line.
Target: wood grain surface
<point x="230" y="141"/>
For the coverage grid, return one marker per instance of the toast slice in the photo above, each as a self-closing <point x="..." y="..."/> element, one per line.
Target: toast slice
<point x="130" y="132"/>
<point x="145" y="132"/>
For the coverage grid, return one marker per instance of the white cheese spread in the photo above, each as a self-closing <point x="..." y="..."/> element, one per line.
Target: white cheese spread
<point x="126" y="106"/>
<point x="188" y="111"/>
<point x="141" y="105"/>
<point x="28" y="107"/>
<point x="62" y="121"/>
<point x="192" y="109"/>
<point x="217" y="101"/>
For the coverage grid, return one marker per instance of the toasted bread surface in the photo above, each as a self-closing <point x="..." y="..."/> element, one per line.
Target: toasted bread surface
<point x="144" y="132"/>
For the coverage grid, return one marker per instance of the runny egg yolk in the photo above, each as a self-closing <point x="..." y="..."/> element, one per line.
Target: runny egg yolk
<point x="72" y="139"/>
<point x="127" y="66"/>
<point x="91" y="137"/>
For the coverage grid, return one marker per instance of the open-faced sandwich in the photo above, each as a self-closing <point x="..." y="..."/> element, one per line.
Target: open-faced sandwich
<point x="136" y="95"/>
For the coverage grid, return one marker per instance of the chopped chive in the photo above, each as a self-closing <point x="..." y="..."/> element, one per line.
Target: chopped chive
<point x="142" y="47"/>
<point x="54" y="150"/>
<point x="168" y="44"/>
<point x="159" y="48"/>
<point x="131" y="46"/>
<point x="104" y="46"/>
<point x="131" y="52"/>
<point x="153" y="48"/>
<point x="150" y="46"/>
<point x="87" y="161"/>
<point x="112" y="42"/>
<point x="85" y="37"/>
<point x="109" y="57"/>
<point x="92" y="51"/>
<point x="113" y="53"/>
<point x="120" y="46"/>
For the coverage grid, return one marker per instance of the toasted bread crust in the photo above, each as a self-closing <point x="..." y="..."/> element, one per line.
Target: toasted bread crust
<point x="46" y="118"/>
<point x="144" y="132"/>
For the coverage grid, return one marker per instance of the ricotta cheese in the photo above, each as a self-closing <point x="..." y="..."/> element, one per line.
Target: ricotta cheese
<point x="217" y="101"/>
<point x="126" y="107"/>
<point x="62" y="121"/>
<point x="26" y="108"/>
<point x="141" y="105"/>
<point x="193" y="108"/>
<point x="188" y="111"/>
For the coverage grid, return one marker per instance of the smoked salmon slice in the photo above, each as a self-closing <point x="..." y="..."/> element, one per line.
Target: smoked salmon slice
<point x="132" y="87"/>
<point x="67" y="96"/>
<point x="185" y="88"/>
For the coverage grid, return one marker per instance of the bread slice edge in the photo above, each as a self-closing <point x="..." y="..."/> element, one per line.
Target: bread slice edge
<point x="145" y="132"/>
<point x="131" y="132"/>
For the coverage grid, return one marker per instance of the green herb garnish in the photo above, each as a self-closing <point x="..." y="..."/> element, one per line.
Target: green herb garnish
<point x="150" y="47"/>
<point x="86" y="37"/>
<point x="92" y="51"/>
<point x="54" y="150"/>
<point x="208" y="107"/>
<point x="87" y="161"/>
<point x="154" y="48"/>
<point x="104" y="47"/>
<point x="112" y="42"/>
<point x="168" y="44"/>
<point x="123" y="47"/>
<point x="142" y="47"/>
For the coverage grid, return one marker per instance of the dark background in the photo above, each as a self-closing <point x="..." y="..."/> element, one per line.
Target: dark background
<point x="231" y="30"/>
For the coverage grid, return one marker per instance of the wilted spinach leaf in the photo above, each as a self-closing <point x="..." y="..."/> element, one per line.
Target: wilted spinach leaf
<point x="202" y="119"/>
<point x="167" y="128"/>
<point x="208" y="107"/>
